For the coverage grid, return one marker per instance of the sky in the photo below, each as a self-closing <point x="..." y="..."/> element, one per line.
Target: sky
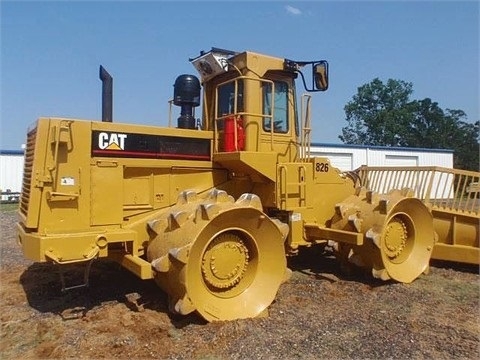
<point x="51" y="52"/>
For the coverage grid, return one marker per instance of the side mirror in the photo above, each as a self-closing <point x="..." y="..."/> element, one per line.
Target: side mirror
<point x="320" y="75"/>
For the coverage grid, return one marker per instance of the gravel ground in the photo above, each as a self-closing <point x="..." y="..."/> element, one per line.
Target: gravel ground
<point x="318" y="314"/>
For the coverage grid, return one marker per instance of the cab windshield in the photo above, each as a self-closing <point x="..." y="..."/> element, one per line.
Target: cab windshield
<point x="275" y="103"/>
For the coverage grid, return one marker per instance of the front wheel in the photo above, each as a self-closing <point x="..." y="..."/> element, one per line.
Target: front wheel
<point x="235" y="268"/>
<point x="223" y="259"/>
<point x="406" y="241"/>
<point x="398" y="234"/>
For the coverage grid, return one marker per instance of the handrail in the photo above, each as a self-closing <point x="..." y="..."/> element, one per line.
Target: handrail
<point x="302" y="184"/>
<point x="306" y="127"/>
<point x="282" y="184"/>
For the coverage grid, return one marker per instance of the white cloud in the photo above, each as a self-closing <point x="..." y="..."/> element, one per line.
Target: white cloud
<point x="293" y="10"/>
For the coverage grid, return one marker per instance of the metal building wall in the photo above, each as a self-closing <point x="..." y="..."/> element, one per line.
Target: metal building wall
<point x="350" y="157"/>
<point x="11" y="170"/>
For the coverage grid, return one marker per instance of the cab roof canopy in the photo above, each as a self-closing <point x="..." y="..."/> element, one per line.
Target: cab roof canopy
<point x="217" y="61"/>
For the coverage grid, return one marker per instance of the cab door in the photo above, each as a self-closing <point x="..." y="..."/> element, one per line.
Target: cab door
<point x="278" y="130"/>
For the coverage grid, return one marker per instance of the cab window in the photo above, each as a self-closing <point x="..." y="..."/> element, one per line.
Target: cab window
<point x="276" y="103"/>
<point x="226" y="98"/>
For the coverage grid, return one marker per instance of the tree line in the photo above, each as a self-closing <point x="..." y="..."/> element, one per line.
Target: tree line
<point x="384" y="114"/>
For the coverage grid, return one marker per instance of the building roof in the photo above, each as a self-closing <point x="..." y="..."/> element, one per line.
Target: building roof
<point x="12" y="152"/>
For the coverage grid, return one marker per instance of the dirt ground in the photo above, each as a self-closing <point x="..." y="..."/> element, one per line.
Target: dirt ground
<point x="318" y="314"/>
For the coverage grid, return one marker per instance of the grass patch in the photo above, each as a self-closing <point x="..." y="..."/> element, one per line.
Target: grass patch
<point x="12" y="207"/>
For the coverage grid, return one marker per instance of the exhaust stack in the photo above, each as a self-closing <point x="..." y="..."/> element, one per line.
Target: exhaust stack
<point x="107" y="99"/>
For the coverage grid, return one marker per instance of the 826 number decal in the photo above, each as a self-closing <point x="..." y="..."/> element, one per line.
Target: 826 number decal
<point x="321" y="167"/>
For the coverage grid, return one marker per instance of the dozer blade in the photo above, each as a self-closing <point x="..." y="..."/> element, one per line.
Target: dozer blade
<point x="450" y="194"/>
<point x="225" y="261"/>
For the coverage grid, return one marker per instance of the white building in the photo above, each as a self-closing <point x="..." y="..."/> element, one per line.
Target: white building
<point x="11" y="170"/>
<point x="350" y="157"/>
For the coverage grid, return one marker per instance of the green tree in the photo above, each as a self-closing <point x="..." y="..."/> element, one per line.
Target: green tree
<point x="467" y="148"/>
<point x="384" y="114"/>
<point x="378" y="113"/>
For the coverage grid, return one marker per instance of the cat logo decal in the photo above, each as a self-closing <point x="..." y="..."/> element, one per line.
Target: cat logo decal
<point x="111" y="141"/>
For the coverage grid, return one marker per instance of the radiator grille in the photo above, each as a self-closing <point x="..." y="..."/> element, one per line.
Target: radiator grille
<point x="28" y="171"/>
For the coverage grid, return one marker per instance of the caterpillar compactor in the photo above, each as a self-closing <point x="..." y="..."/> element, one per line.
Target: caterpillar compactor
<point x="210" y="207"/>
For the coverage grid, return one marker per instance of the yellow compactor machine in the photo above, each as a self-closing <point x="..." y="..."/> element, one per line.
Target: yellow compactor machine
<point x="211" y="207"/>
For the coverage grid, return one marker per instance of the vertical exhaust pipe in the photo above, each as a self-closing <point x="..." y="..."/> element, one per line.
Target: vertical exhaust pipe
<point x="107" y="99"/>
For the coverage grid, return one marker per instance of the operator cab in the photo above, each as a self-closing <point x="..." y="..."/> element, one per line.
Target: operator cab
<point x="250" y="101"/>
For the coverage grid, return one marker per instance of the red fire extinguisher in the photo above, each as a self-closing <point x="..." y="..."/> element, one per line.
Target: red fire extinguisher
<point x="229" y="134"/>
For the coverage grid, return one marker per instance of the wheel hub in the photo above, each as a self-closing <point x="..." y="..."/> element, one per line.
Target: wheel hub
<point x="225" y="261"/>
<point x="395" y="238"/>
